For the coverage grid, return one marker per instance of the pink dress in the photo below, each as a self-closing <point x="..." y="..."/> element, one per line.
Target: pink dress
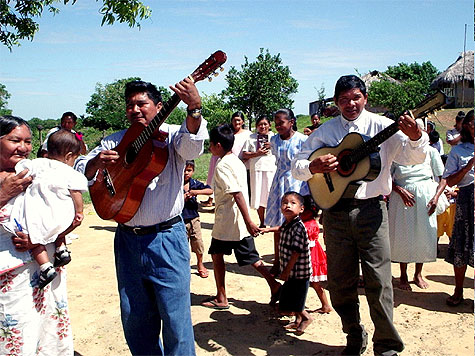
<point x="317" y="254"/>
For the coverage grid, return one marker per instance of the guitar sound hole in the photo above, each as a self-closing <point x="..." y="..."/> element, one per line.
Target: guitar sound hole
<point x="130" y="156"/>
<point x="345" y="165"/>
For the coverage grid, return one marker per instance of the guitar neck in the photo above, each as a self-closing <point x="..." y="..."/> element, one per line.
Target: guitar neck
<point x="372" y="144"/>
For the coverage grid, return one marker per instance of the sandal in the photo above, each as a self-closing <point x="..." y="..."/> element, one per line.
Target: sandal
<point x="203" y="273"/>
<point x="212" y="303"/>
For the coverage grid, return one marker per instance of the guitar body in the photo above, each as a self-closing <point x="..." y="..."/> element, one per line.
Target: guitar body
<point x="119" y="189"/>
<point x="327" y="189"/>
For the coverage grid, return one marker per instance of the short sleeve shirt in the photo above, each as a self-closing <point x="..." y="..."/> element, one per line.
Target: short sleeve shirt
<point x="230" y="176"/>
<point x="293" y="238"/>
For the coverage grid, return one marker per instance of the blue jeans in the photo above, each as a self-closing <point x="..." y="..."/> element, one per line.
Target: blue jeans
<point x="153" y="274"/>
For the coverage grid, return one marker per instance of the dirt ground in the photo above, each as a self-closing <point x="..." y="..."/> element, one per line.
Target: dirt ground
<point x="250" y="327"/>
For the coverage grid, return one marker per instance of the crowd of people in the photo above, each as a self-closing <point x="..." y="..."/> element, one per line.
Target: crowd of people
<point x="397" y="217"/>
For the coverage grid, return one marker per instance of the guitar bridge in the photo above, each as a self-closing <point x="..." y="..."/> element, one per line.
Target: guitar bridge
<point x="328" y="180"/>
<point x="108" y="182"/>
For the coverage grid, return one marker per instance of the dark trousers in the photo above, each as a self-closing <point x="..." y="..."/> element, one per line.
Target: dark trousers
<point x="358" y="230"/>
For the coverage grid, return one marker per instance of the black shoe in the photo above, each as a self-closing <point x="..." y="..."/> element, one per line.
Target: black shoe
<point x="356" y="349"/>
<point x="46" y="276"/>
<point x="62" y="258"/>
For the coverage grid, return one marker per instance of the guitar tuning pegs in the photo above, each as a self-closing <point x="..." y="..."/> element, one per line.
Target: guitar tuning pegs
<point x="215" y="74"/>
<point x="221" y="69"/>
<point x="210" y="79"/>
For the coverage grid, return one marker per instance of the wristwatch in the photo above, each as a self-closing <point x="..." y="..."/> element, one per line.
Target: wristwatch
<point x="194" y="113"/>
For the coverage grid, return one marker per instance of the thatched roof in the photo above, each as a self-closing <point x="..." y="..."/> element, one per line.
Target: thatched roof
<point x="376" y="76"/>
<point x="455" y="72"/>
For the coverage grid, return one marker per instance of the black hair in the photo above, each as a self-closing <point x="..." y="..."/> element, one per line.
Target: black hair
<point x="290" y="116"/>
<point x="69" y="114"/>
<point x="9" y="122"/>
<point x="299" y="196"/>
<point x="139" y="86"/>
<point x="431" y="124"/>
<point x="190" y="163"/>
<point x="262" y="117"/>
<point x="434" y="136"/>
<point x="348" y="82"/>
<point x="310" y="205"/>
<point x="238" y="114"/>
<point x="465" y="132"/>
<point x="61" y="142"/>
<point x="223" y="134"/>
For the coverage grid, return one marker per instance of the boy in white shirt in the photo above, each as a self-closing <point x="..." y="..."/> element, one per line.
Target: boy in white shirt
<point x="233" y="228"/>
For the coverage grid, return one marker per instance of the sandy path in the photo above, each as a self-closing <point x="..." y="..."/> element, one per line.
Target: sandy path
<point x="250" y="327"/>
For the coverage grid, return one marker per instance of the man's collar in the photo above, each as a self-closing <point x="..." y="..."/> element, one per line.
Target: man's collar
<point x="346" y="123"/>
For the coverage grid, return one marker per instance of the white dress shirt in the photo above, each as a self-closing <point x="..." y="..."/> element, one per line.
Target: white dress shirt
<point x="398" y="148"/>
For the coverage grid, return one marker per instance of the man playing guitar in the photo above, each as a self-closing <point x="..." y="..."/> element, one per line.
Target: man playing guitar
<point x="151" y="249"/>
<point x="356" y="228"/>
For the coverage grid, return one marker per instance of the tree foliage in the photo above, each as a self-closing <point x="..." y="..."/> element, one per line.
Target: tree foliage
<point x="260" y="87"/>
<point x="414" y="81"/>
<point x="4" y="96"/>
<point x="18" y="17"/>
<point x="215" y="110"/>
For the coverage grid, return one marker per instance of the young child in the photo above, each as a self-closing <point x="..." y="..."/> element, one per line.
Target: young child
<point x="284" y="147"/>
<point x="317" y="255"/>
<point x="295" y="265"/>
<point x="233" y="228"/>
<point x="191" y="217"/>
<point x="52" y="205"/>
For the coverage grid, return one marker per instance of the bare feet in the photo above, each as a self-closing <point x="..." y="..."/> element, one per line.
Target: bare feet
<point x="420" y="282"/>
<point x="322" y="310"/>
<point x="306" y="321"/>
<point x="291" y="326"/>
<point x="404" y="284"/>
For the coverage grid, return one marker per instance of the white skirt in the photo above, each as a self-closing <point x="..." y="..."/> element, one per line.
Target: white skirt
<point x="261" y="182"/>
<point x="34" y="321"/>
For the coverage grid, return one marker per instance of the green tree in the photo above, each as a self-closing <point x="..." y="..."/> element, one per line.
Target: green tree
<point x="106" y="108"/>
<point x="414" y="81"/>
<point x="260" y="87"/>
<point x="4" y="96"/>
<point x="18" y="17"/>
<point x="423" y="73"/>
<point x="215" y="110"/>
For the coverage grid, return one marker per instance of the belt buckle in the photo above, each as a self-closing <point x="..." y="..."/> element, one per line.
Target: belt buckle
<point x="136" y="230"/>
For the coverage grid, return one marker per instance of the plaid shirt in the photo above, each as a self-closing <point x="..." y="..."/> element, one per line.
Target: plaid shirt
<point x="293" y="238"/>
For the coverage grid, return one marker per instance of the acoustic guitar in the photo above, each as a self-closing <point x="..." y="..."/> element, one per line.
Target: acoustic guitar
<point x="119" y="188"/>
<point x="358" y="159"/>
